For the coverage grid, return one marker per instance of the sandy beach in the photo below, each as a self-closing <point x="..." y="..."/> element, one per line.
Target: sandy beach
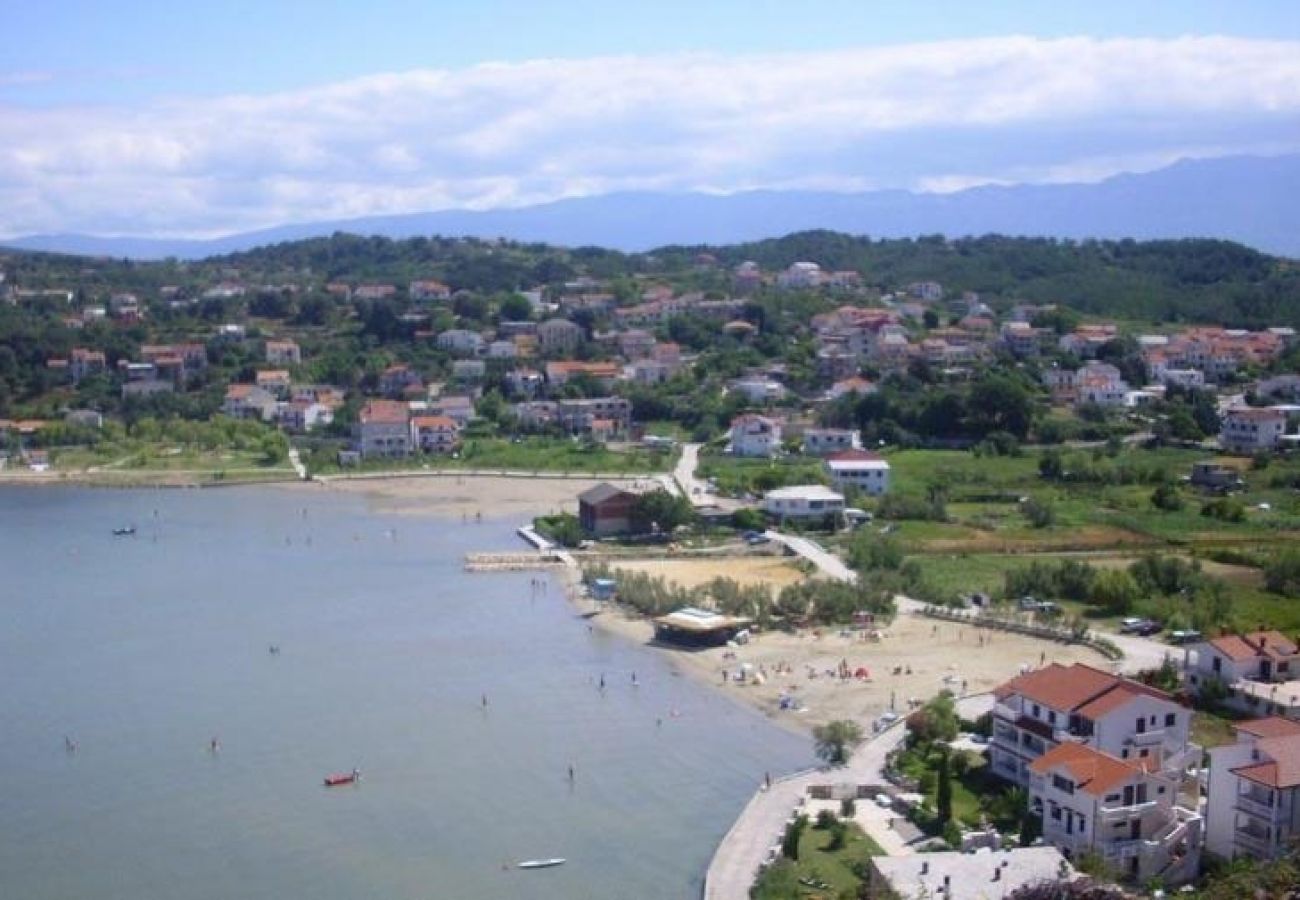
<point x="455" y="494"/>
<point x="912" y="659"/>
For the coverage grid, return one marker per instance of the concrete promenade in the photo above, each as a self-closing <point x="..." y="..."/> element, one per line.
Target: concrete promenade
<point x="748" y="845"/>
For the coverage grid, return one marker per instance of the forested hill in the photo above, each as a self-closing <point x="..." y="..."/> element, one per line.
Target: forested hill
<point x="1170" y="281"/>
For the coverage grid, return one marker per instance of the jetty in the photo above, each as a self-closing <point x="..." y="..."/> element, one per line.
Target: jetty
<point x="515" y="562"/>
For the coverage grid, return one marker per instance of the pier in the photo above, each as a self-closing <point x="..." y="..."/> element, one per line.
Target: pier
<point x="515" y="562"/>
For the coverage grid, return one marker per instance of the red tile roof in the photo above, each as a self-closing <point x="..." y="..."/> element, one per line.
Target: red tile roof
<point x="1272" y="726"/>
<point x="1076" y="688"/>
<point x="1092" y="771"/>
<point x="1239" y="647"/>
<point x="1283" y="767"/>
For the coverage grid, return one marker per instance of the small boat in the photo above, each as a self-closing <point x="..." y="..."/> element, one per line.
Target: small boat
<point x="542" y="863"/>
<point x="123" y="532"/>
<point x="342" y="778"/>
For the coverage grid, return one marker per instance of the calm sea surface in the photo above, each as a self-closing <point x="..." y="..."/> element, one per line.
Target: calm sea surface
<point x="142" y="649"/>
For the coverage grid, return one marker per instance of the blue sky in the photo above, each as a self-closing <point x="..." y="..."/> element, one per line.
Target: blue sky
<point x="206" y="117"/>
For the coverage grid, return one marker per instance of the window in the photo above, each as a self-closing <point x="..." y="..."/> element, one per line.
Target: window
<point x="1123" y="754"/>
<point x="1217" y="665"/>
<point x="1064" y="785"/>
<point x="1055" y="812"/>
<point x="1170" y="719"/>
<point x="1051" y="717"/>
<point x="1037" y="711"/>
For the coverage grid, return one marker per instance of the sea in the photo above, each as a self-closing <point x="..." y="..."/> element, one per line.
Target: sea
<point x="307" y="634"/>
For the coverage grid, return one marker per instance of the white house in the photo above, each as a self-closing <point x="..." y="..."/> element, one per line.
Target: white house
<point x="383" y="429"/>
<point x="1092" y="802"/>
<point x="559" y="336"/>
<point x="804" y="501"/>
<point x="966" y="876"/>
<point x="1246" y="429"/>
<point x="1260" y="671"/>
<point x="435" y="434"/>
<point x="283" y="353"/>
<point x="859" y="469"/>
<point x="758" y="388"/>
<point x="800" y="275"/>
<point x="1060" y="704"/>
<point x="753" y="435"/>
<point x="823" y="441"/>
<point x="461" y="341"/>
<point x="1253" y="805"/>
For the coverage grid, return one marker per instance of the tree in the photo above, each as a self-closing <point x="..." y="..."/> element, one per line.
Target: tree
<point x="835" y="741"/>
<point x="1039" y="513"/>
<point x="793" y="834"/>
<point x="515" y="308"/>
<point x="935" y="721"/>
<point x="662" y="510"/>
<point x="943" y="793"/>
<point x="1114" y="590"/>
<point x="1167" y="498"/>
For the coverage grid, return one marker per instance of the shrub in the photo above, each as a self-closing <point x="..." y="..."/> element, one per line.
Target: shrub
<point x="848" y="808"/>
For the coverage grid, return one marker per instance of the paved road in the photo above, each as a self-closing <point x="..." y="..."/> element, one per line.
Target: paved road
<point x="760" y="826"/>
<point x="826" y="562"/>
<point x="684" y="474"/>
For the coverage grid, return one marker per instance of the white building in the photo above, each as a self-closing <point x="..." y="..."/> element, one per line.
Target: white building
<point x="753" y="435"/>
<point x="862" y="470"/>
<point x="823" y="441"/>
<point x="758" y="388"/>
<point x="383" y="429"/>
<point x="1092" y="802"/>
<point x="1247" y="430"/>
<point x="1060" y="704"/>
<point x="967" y="876"/>
<point x="1252" y="808"/>
<point x="804" y="501"/>
<point x="461" y="341"/>
<point x="1260" y="671"/>
<point x="800" y="275"/>
<point x="559" y="336"/>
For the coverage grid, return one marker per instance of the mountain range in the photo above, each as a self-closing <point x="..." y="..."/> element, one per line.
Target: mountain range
<point x="1248" y="199"/>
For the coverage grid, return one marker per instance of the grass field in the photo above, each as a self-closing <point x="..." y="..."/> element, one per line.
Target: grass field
<point x="820" y="865"/>
<point x="529" y="455"/>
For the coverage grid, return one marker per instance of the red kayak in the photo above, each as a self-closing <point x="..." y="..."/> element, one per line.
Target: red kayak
<point x="343" y="778"/>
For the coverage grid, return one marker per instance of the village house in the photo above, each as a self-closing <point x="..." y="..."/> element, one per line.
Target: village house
<point x="1060" y="704"/>
<point x="929" y="291"/>
<point x="824" y="441"/>
<point x="125" y="307"/>
<point x="274" y="381"/>
<point x="503" y="349"/>
<point x="1259" y="671"/>
<point x="606" y="510"/>
<point x="582" y="416"/>
<point x="559" y="337"/>
<point x="1253" y="802"/>
<point x="636" y="343"/>
<point x="83" y="363"/>
<point x="383" y="429"/>
<point x="535" y="415"/>
<point x="861" y="470"/>
<point x="1129" y="816"/>
<point x="397" y="381"/>
<point x="1021" y="339"/>
<point x="303" y="416"/>
<point x="855" y="386"/>
<point x="1086" y="340"/>
<point x="604" y="374"/>
<point x="147" y="387"/>
<point x="283" y="353"/>
<point x="800" y="276"/>
<point x="803" y="501"/>
<point x="461" y="342"/>
<point x="374" y="291"/>
<point x="428" y="290"/>
<point x="753" y="435"/>
<point x="435" y="434"/>
<point x="468" y="369"/>
<point x="248" y="401"/>
<point x="457" y="407"/>
<point x="525" y="382"/>
<point x="758" y="389"/>
<point x="1246" y="429"/>
<point x="747" y="278"/>
<point x="1215" y="476"/>
<point x="966" y="876"/>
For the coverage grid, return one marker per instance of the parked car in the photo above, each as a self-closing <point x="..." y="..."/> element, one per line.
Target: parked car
<point x="756" y="537"/>
<point x="1029" y="604"/>
<point x="1184" y="637"/>
<point x="1048" y="608"/>
<point x="1148" y="628"/>
<point x="1130" y="625"/>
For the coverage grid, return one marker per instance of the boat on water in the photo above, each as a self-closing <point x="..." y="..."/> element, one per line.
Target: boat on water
<point x="123" y="532"/>
<point x="342" y="778"/>
<point x="542" y="863"/>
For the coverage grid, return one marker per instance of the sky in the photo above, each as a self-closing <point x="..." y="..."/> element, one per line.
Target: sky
<point x="204" y="118"/>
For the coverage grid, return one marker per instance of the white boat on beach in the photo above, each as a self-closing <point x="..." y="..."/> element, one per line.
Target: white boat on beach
<point x="542" y="863"/>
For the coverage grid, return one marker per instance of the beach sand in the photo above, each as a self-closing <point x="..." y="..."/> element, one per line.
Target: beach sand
<point x="939" y="654"/>
<point x="456" y="495"/>
<point x="774" y="571"/>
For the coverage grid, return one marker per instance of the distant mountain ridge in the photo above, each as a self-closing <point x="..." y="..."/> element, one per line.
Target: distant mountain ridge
<point x="1252" y="200"/>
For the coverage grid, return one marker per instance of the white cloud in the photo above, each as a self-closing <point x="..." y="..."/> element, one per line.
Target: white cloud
<point x="930" y="116"/>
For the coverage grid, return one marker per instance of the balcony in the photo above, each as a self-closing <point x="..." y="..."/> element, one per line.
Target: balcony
<point x="1257" y="807"/>
<point x="1254" y="843"/>
<point x="1062" y="736"/>
<point x="1006" y="711"/>
<point x="1111" y="813"/>
<point x="1147" y="738"/>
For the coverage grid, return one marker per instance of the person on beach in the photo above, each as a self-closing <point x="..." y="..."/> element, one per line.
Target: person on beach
<point x="214" y="745"/>
<point x="485" y="701"/>
<point x="69" y="745"/>
<point x="570" y="773"/>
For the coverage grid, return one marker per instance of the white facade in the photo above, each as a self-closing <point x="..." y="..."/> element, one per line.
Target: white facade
<point x="758" y="389"/>
<point x="1246" y="430"/>
<point x="807" y="501"/>
<point x="865" y="474"/>
<point x="461" y="341"/>
<point x="821" y="441"/>
<point x="755" y="436"/>
<point x="1252" y="808"/>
